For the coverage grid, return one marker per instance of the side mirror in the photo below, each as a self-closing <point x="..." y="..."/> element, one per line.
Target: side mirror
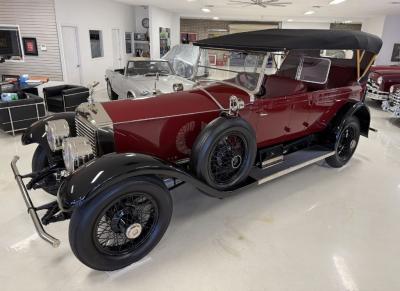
<point x="313" y="70"/>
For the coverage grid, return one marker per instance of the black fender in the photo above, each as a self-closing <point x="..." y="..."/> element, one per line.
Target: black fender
<point x="352" y="108"/>
<point x="36" y="132"/>
<point x="103" y="172"/>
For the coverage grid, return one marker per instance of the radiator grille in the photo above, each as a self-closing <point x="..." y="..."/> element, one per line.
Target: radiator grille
<point x="85" y="129"/>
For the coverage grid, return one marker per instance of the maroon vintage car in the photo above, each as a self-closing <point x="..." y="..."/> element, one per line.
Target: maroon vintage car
<point x="380" y="80"/>
<point x="277" y="101"/>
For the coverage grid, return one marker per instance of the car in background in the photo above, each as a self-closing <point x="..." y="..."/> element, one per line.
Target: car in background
<point x="380" y="80"/>
<point x="393" y="103"/>
<point x="143" y="78"/>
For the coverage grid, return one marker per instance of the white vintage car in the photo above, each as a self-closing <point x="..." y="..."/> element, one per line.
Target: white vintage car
<point x="143" y="78"/>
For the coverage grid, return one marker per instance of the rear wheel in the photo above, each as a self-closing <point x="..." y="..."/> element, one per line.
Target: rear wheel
<point x="224" y="153"/>
<point x="346" y="143"/>
<point x="121" y="224"/>
<point x="111" y="94"/>
<point x="40" y="161"/>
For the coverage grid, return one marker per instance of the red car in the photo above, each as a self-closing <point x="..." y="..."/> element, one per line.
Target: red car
<point x="380" y="80"/>
<point x="279" y="100"/>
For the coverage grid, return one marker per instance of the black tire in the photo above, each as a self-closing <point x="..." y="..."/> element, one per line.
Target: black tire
<point x="224" y="153"/>
<point x="85" y="240"/>
<point x="111" y="94"/>
<point x="346" y="143"/>
<point x="40" y="161"/>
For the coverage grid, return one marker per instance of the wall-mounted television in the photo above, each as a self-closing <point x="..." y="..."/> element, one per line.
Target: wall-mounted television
<point x="10" y="43"/>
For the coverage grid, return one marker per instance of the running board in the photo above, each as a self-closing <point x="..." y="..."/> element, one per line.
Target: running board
<point x="292" y="162"/>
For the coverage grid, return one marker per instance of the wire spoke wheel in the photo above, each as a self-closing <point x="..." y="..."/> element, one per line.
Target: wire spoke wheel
<point x="227" y="158"/>
<point x="126" y="224"/>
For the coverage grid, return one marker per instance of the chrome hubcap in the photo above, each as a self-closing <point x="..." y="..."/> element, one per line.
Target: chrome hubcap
<point x="133" y="231"/>
<point x="353" y="144"/>
<point x="236" y="161"/>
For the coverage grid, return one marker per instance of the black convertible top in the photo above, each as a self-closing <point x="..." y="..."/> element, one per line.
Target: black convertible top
<point x="290" y="39"/>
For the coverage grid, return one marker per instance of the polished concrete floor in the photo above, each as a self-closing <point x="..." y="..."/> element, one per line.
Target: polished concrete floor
<point x="317" y="229"/>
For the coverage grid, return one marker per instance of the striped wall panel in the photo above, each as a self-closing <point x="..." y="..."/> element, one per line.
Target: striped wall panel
<point x="36" y="18"/>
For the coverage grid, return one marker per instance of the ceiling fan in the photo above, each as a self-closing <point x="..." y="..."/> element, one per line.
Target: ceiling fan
<point x="262" y="3"/>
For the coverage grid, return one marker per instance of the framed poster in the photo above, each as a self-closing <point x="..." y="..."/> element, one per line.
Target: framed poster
<point x="396" y="53"/>
<point x="30" y="46"/>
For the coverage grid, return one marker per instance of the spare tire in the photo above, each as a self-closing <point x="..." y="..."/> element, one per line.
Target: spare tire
<point x="224" y="153"/>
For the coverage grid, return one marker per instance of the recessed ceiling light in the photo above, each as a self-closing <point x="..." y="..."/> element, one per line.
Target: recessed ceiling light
<point x="309" y="12"/>
<point x="290" y="20"/>
<point x="347" y="21"/>
<point x="206" y="10"/>
<point x="335" y="2"/>
<point x="216" y="18"/>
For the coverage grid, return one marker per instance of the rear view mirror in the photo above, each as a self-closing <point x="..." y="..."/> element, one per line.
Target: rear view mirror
<point x="313" y="70"/>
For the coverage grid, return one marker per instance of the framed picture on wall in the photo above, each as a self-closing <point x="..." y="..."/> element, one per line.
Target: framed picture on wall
<point x="396" y="53"/>
<point x="30" y="46"/>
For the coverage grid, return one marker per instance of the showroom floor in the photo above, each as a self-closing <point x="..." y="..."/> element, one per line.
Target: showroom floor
<point x="317" y="229"/>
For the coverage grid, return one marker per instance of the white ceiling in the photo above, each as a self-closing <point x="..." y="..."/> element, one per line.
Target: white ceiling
<point x="355" y="10"/>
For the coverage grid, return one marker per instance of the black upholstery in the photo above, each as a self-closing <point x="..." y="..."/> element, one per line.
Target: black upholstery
<point x="19" y="114"/>
<point x="64" y="97"/>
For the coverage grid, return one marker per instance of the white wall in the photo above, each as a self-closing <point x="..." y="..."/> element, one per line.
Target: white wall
<point x="165" y="19"/>
<point x="141" y="12"/>
<point x="390" y="36"/>
<point x="305" y="25"/>
<point x="101" y="15"/>
<point x="374" y="25"/>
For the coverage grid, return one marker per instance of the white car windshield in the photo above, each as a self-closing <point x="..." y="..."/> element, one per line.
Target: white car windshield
<point x="148" y="68"/>
<point x="239" y="68"/>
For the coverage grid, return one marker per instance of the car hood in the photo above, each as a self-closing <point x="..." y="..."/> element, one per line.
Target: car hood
<point x="145" y="86"/>
<point x="383" y="73"/>
<point x="214" y="97"/>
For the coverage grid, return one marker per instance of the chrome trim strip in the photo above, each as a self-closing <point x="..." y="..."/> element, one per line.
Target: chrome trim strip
<point x="295" y="168"/>
<point x="162" y="117"/>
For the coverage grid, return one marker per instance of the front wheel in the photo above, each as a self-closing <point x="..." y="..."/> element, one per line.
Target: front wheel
<point x="121" y="224"/>
<point x="111" y="94"/>
<point x="346" y="143"/>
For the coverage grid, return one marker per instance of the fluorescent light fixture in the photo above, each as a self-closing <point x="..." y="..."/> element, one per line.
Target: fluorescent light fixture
<point x="216" y="18"/>
<point x="347" y="21"/>
<point x="309" y="12"/>
<point x="335" y="2"/>
<point x="206" y="10"/>
<point x="290" y="20"/>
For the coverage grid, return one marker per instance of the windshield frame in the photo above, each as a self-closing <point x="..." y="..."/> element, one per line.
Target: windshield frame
<point x="261" y="76"/>
<point x="152" y="61"/>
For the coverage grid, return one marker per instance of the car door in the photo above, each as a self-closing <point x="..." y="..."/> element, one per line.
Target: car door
<point x="299" y="107"/>
<point x="273" y="115"/>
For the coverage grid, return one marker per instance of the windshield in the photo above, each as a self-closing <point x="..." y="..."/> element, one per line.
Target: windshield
<point x="239" y="68"/>
<point x="148" y="68"/>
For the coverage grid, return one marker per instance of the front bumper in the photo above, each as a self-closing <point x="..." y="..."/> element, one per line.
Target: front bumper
<point x="374" y="93"/>
<point x="32" y="210"/>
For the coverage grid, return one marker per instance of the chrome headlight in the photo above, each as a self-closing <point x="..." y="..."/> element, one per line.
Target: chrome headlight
<point x="76" y="152"/>
<point x="56" y="131"/>
<point x="379" y="81"/>
<point x="391" y="89"/>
